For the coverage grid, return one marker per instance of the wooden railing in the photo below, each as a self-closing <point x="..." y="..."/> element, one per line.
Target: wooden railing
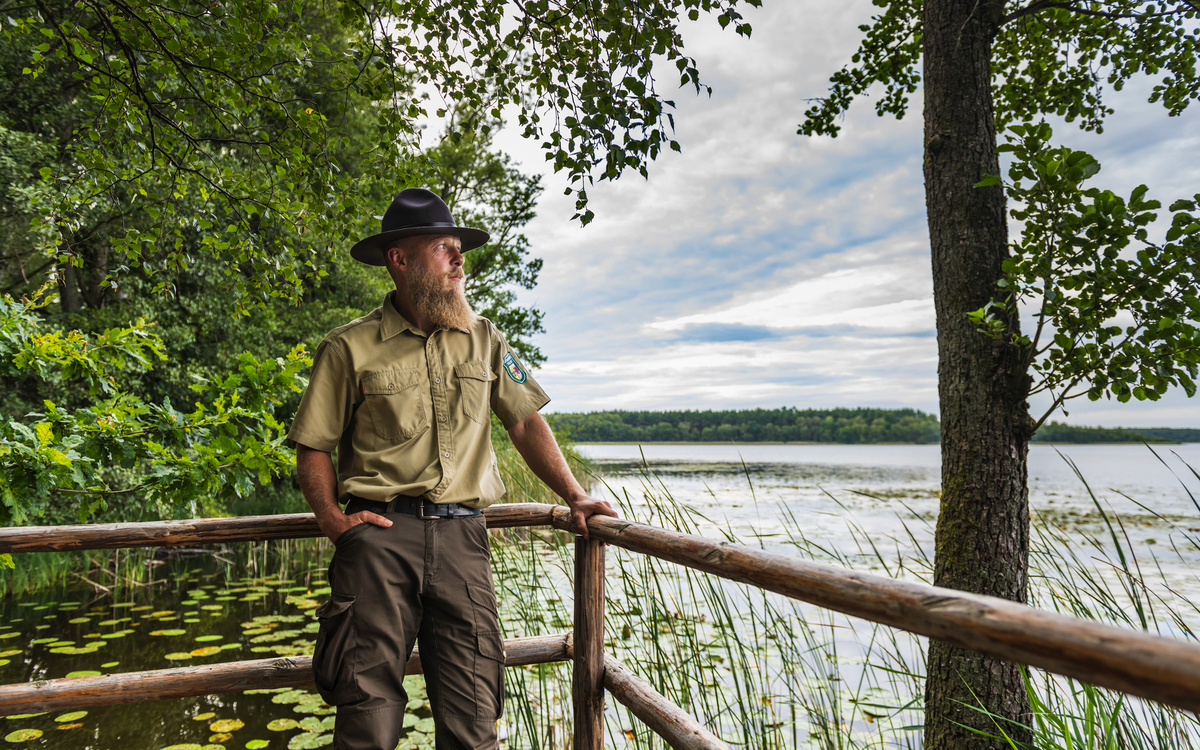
<point x="1149" y="666"/>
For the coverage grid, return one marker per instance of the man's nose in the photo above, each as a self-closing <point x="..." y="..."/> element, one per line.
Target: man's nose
<point x="457" y="258"/>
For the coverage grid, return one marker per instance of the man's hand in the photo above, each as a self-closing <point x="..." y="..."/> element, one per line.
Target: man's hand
<point x="584" y="507"/>
<point x="318" y="482"/>
<point x="334" y="525"/>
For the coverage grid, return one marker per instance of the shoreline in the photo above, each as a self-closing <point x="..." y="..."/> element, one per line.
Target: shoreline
<point x="799" y="442"/>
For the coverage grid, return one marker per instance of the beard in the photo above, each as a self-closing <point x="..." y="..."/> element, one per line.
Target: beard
<point x="442" y="305"/>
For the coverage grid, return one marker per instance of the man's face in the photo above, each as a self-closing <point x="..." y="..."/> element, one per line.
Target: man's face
<point x="434" y="277"/>
<point x="437" y="256"/>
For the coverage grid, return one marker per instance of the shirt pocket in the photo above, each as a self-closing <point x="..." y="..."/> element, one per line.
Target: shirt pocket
<point x="395" y="404"/>
<point x="474" y="380"/>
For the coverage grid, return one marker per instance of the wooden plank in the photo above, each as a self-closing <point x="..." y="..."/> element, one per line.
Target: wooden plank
<point x="677" y="727"/>
<point x="588" y="679"/>
<point x="234" y="677"/>
<point x="1160" y="669"/>
<point x="214" y="530"/>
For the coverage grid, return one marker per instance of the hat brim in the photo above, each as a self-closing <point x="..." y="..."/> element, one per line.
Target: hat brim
<point x="370" y="250"/>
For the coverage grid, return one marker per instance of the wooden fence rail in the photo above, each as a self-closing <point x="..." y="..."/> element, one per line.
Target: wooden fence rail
<point x="1158" y="668"/>
<point x="71" y="693"/>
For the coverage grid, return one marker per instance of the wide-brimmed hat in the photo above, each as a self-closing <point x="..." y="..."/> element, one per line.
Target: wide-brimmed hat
<point x="413" y="212"/>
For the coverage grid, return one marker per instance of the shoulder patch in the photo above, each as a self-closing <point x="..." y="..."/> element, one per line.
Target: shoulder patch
<point x="513" y="368"/>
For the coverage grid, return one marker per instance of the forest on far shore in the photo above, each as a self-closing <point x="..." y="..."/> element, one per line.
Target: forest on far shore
<point x="790" y="425"/>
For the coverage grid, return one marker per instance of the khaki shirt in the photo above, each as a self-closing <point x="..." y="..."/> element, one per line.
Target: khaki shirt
<point x="409" y="413"/>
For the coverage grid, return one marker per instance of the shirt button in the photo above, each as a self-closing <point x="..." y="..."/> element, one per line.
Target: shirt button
<point x="447" y="455"/>
<point x="437" y="380"/>
<point x="441" y="419"/>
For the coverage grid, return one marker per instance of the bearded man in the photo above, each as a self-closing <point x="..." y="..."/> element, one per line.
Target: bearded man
<point x="404" y="395"/>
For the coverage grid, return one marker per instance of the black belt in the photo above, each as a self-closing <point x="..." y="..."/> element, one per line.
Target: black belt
<point x="419" y="507"/>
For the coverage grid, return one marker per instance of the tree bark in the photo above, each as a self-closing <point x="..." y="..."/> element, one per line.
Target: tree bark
<point x="982" y="536"/>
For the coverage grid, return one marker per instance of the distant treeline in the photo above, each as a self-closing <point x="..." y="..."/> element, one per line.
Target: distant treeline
<point x="752" y="426"/>
<point x="847" y="426"/>
<point x="1055" y="432"/>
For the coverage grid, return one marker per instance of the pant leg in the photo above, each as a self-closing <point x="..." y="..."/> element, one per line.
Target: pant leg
<point x="368" y="629"/>
<point x="462" y="652"/>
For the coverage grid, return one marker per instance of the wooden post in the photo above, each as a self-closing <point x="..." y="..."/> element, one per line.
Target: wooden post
<point x="589" y="644"/>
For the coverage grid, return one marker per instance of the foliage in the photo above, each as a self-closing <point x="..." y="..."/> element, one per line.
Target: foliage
<point x="1049" y="58"/>
<point x="1115" y="310"/>
<point x="251" y="132"/>
<point x="771" y="425"/>
<point x="119" y="444"/>
<point x="195" y="129"/>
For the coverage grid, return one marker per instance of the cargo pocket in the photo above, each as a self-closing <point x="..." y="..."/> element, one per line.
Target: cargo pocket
<point x="489" y="655"/>
<point x="473" y="378"/>
<point x="334" y="654"/>
<point x="395" y="403"/>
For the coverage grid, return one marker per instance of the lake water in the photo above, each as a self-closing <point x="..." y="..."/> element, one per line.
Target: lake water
<point x="885" y="489"/>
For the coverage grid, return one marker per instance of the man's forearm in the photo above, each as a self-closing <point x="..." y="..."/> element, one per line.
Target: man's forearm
<point x="535" y="442"/>
<point x="318" y="482"/>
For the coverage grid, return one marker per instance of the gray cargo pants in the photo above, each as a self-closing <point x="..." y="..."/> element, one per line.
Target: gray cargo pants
<point x="427" y="581"/>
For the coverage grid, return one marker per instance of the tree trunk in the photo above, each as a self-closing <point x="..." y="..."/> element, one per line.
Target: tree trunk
<point x="982" y="537"/>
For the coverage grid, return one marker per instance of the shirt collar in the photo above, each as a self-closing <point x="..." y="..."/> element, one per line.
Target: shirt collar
<point x="393" y="323"/>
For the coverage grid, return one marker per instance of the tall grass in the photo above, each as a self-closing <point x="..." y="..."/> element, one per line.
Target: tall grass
<point x="765" y="671"/>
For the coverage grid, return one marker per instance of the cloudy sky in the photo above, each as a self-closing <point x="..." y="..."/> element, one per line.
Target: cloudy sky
<point x="760" y="268"/>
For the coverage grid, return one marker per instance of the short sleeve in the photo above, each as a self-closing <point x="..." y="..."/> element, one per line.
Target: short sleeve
<point x="328" y="403"/>
<point x="515" y="394"/>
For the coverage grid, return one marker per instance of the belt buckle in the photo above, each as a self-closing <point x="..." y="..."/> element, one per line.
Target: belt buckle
<point x="421" y="511"/>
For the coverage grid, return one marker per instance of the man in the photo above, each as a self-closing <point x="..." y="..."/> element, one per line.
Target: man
<point x="404" y="394"/>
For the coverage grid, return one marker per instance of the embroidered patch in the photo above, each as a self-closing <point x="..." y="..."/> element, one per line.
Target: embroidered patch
<point x="513" y="368"/>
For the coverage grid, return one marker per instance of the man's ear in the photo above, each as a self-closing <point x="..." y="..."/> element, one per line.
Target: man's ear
<point x="395" y="257"/>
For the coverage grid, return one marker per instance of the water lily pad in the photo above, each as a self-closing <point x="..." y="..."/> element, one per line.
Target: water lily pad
<point x="188" y="602"/>
<point x="291" y="696"/>
<point x="204" y="716"/>
<point x="310" y="724"/>
<point x="109" y="664"/>
<point x="282" y="725"/>
<point x="220" y="737"/>
<point x="92" y="635"/>
<point x="178" y="655"/>
<point x="23" y="735"/>
<point x="227" y="725"/>
<point x="169" y="632"/>
<point x="213" y="747"/>
<point x="302" y="603"/>
<point x="225" y="599"/>
<point x="191" y="620"/>
<point x="5" y="662"/>
<point x="118" y="634"/>
<point x="309" y="741"/>
<point x="162" y="613"/>
<point x="43" y="640"/>
<point x="229" y="646"/>
<point x="257" y="744"/>
<point x="73" y="716"/>
<point x="207" y="638"/>
<point x="206" y="651"/>
<point x="184" y="746"/>
<point x="72" y="725"/>
<point x="425" y="725"/>
<point x="26" y="716"/>
<point x="83" y="673"/>
<point x="142" y="608"/>
<point x="79" y="620"/>
<point x="212" y="607"/>
<point x="122" y="605"/>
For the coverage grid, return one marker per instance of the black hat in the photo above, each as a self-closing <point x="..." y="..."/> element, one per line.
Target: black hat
<point x="413" y="212"/>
